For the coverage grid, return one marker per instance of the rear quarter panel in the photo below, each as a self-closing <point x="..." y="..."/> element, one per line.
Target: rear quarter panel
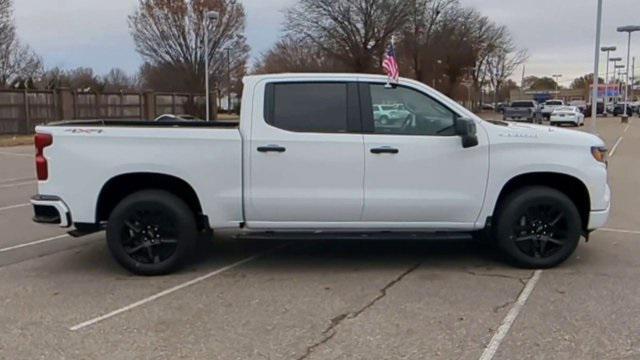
<point x="82" y="160"/>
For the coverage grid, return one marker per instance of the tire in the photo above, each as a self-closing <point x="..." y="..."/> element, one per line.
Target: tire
<point x="151" y="232"/>
<point x="538" y="227"/>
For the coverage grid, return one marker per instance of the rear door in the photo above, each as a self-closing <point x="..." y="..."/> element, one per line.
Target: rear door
<point x="306" y="155"/>
<point x="417" y="171"/>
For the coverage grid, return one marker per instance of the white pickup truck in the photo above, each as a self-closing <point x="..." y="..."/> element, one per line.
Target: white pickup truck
<point x="307" y="157"/>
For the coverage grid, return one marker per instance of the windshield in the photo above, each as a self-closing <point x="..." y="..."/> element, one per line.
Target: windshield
<point x="522" y="104"/>
<point x="553" y="103"/>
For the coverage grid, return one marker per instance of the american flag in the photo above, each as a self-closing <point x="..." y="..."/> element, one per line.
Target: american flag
<point x="390" y="64"/>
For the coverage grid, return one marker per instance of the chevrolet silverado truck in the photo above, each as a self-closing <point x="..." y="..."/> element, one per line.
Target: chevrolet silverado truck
<point x="525" y="110"/>
<point x="549" y="107"/>
<point x="307" y="157"/>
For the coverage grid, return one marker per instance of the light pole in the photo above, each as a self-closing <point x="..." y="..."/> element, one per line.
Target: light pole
<point x="628" y="29"/>
<point x="210" y="17"/>
<point x="615" y="62"/>
<point x="228" y="79"/>
<point x="556" y="77"/>
<point x="619" y="78"/>
<point x="596" y="70"/>
<point x="633" y="76"/>
<point x="608" y="50"/>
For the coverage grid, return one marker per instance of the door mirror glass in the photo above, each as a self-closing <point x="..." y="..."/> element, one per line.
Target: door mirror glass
<point x="466" y="129"/>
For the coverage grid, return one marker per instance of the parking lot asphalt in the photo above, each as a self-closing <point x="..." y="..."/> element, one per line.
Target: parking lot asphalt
<point x="366" y="299"/>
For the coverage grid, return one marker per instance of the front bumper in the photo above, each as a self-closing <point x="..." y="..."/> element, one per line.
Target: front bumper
<point x="599" y="218"/>
<point x="50" y="210"/>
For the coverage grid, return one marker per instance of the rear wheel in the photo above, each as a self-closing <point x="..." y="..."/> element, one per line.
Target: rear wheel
<point x="151" y="232"/>
<point x="538" y="227"/>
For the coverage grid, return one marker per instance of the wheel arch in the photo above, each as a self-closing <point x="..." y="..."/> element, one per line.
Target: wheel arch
<point x="569" y="185"/>
<point x="121" y="186"/>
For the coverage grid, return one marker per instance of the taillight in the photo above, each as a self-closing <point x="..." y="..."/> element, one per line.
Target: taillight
<point x="42" y="141"/>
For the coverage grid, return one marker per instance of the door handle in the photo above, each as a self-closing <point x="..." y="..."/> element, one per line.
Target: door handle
<point x="272" y="148"/>
<point x="385" y="150"/>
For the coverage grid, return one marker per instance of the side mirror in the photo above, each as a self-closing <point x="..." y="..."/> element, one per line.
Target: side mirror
<point x="466" y="129"/>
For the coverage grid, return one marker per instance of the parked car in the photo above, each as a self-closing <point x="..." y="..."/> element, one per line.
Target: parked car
<point x="618" y="109"/>
<point x="487" y="106"/>
<point x="390" y="114"/>
<point x="567" y="115"/>
<point x="599" y="110"/>
<point x="500" y="107"/>
<point x="174" y="118"/>
<point x="307" y="158"/>
<point x="525" y="110"/>
<point x="549" y="107"/>
<point x="580" y="104"/>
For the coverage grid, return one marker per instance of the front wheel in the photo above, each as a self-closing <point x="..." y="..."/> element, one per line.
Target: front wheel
<point x="151" y="232"/>
<point x="538" y="227"/>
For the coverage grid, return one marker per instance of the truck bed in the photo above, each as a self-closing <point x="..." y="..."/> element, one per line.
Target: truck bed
<point x="85" y="155"/>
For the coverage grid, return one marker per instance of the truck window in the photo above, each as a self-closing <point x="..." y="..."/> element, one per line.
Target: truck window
<point x="415" y="113"/>
<point x="308" y="107"/>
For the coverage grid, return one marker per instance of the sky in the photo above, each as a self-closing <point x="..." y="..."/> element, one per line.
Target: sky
<point x="559" y="34"/>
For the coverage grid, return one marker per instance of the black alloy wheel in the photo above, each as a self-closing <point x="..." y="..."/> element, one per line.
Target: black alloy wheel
<point x="538" y="227"/>
<point x="151" y="232"/>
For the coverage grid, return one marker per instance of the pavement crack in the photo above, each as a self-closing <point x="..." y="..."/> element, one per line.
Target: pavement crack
<point x="503" y="276"/>
<point x="331" y="330"/>
<point x="496" y="309"/>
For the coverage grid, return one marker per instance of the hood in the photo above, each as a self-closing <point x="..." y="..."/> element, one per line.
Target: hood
<point x="547" y="134"/>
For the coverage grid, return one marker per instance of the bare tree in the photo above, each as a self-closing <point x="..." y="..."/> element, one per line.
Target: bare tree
<point x="422" y="24"/>
<point x="503" y="62"/>
<point x="355" y="32"/>
<point x="7" y="29"/>
<point x="296" y="55"/>
<point x="584" y="82"/>
<point x="170" y="37"/>
<point x="118" y="80"/>
<point x="19" y="64"/>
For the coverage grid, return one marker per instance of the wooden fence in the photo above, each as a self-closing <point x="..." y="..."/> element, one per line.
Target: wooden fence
<point x="22" y="110"/>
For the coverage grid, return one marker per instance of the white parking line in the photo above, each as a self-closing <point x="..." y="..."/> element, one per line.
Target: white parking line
<point x="170" y="291"/>
<point x="13" y="207"/>
<point x="33" y="243"/>
<point x="498" y="337"/>
<point x="16" y="154"/>
<point x="627" y="128"/>
<point x="5" y="181"/>
<point x="17" y="184"/>
<point x="615" y="147"/>
<point x="634" y="232"/>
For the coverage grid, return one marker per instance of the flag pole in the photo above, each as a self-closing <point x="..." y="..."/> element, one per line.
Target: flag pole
<point x="393" y="46"/>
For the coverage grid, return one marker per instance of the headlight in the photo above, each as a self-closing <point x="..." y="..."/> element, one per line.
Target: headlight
<point x="599" y="153"/>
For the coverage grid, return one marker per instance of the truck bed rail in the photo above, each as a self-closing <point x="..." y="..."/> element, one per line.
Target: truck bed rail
<point x="145" y="123"/>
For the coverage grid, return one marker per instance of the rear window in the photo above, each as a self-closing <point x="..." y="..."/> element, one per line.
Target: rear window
<point x="553" y="103"/>
<point x="308" y="107"/>
<point x="522" y="104"/>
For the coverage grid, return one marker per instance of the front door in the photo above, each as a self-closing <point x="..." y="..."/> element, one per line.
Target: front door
<point x="416" y="169"/>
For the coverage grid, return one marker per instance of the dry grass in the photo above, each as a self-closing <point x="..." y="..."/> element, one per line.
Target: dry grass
<point x="15" y="140"/>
